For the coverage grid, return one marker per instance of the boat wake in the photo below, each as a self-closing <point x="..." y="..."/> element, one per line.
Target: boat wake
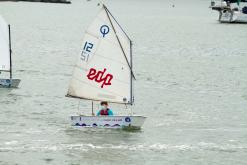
<point x="14" y="146"/>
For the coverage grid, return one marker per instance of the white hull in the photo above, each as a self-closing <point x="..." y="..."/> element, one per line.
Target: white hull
<point x="232" y="17"/>
<point x="114" y="122"/>
<point x="230" y="13"/>
<point x="7" y="83"/>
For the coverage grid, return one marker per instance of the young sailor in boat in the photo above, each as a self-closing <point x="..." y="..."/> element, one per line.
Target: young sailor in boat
<point x="105" y="111"/>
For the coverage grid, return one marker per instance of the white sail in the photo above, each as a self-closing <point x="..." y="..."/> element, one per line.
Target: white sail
<point x="104" y="69"/>
<point x="4" y="46"/>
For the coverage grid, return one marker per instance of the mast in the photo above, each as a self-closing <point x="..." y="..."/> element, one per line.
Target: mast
<point x="10" y="54"/>
<point x="131" y="77"/>
<point x="92" y="108"/>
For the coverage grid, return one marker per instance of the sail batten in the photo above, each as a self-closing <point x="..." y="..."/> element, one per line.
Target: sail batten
<point x="4" y="46"/>
<point x="104" y="68"/>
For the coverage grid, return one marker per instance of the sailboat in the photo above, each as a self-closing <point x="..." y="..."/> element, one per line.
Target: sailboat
<point x="5" y="56"/>
<point x="104" y="72"/>
<point x="230" y="11"/>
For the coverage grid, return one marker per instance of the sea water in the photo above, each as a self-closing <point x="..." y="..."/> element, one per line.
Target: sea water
<point x="191" y="84"/>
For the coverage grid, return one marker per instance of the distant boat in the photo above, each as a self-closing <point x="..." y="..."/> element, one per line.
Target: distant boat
<point x="104" y="72"/>
<point x="5" y="56"/>
<point x="230" y="11"/>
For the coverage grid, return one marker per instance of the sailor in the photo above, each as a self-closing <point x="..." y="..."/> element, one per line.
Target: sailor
<point x="104" y="111"/>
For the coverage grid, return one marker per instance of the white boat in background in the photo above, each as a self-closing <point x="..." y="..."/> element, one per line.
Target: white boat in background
<point x="5" y="56"/>
<point x="231" y="11"/>
<point x="104" y="72"/>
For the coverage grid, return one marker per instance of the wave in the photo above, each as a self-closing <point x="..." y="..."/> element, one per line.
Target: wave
<point x="13" y="146"/>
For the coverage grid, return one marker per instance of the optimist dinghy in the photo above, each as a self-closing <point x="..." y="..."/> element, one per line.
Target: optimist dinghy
<point x="5" y="56"/>
<point x="104" y="72"/>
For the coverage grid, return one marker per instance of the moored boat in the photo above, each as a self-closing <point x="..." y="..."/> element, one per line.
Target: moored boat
<point x="232" y="11"/>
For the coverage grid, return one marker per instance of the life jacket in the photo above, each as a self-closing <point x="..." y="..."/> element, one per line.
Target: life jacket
<point x="104" y="111"/>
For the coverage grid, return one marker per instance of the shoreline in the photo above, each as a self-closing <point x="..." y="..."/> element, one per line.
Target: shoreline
<point x="45" y="1"/>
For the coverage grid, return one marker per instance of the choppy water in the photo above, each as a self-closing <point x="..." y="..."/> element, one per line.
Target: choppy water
<point x="192" y="86"/>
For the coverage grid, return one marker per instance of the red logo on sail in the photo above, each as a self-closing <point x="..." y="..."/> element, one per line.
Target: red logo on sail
<point x="100" y="77"/>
